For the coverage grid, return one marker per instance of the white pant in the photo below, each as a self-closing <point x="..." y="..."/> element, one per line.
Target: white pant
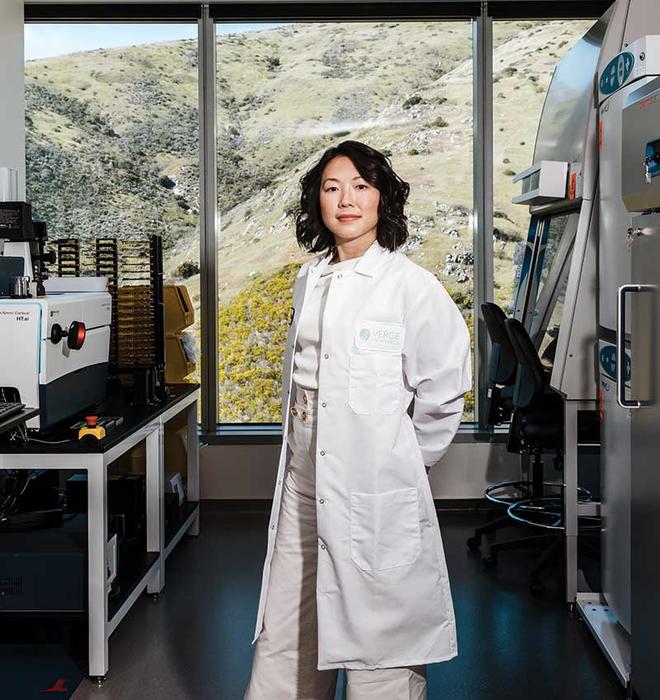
<point x="285" y="655"/>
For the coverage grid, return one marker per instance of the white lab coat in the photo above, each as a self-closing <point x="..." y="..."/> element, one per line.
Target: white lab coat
<point x="390" y="333"/>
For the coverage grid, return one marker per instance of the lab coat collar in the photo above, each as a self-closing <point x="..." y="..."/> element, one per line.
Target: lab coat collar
<point x="367" y="264"/>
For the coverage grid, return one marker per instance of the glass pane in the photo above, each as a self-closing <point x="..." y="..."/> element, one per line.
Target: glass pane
<point x="551" y="331"/>
<point x="284" y="95"/>
<point x="524" y="57"/>
<point x="112" y="137"/>
<point x="556" y="228"/>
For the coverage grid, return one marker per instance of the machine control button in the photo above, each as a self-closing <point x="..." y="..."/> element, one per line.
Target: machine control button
<point x="56" y="333"/>
<point x="75" y="336"/>
<point x="92" y="430"/>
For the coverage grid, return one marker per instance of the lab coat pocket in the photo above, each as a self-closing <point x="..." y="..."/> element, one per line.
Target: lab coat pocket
<point x="385" y="529"/>
<point x="373" y="384"/>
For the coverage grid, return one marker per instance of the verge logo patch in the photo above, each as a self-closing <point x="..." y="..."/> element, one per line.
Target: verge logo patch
<point x="376" y="335"/>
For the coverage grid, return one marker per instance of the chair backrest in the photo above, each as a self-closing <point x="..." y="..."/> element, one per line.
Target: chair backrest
<point x="531" y="379"/>
<point x="503" y="363"/>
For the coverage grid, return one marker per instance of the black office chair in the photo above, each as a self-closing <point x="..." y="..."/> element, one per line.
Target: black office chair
<point x="536" y="428"/>
<point x="502" y="370"/>
<point x="539" y="409"/>
<point x="502" y="373"/>
<point x="502" y="367"/>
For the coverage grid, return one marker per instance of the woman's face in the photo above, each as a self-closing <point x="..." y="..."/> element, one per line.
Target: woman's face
<point x="349" y="204"/>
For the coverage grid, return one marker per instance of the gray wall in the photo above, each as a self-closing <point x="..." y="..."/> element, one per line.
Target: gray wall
<point x="12" y="100"/>
<point x="248" y="471"/>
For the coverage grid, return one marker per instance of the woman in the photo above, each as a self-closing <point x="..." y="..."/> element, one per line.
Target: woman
<point x="355" y="574"/>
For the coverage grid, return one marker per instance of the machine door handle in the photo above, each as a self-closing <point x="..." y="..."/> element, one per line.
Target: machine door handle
<point x="621" y="343"/>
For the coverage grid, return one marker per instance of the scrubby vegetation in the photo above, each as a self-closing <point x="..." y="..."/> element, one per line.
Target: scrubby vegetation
<point x="253" y="328"/>
<point x="187" y="269"/>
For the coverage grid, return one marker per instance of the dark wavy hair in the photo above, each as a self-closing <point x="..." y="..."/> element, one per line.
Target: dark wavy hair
<point x="376" y="169"/>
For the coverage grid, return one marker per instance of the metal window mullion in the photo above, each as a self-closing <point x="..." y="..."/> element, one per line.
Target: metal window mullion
<point x="208" y="234"/>
<point x="482" y="173"/>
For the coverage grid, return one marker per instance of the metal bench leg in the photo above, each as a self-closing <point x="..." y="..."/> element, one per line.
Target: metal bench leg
<point x="97" y="592"/>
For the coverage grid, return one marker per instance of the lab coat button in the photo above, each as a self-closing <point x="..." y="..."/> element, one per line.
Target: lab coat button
<point x="339" y="275"/>
<point x="322" y="453"/>
<point x="324" y="404"/>
<point x="321" y="500"/>
<point x="326" y="356"/>
<point x="322" y="546"/>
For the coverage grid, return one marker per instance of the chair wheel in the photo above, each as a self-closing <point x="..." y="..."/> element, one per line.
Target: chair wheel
<point x="536" y="588"/>
<point x="489" y="562"/>
<point x="474" y="543"/>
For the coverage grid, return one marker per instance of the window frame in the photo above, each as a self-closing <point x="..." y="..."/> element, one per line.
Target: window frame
<point x="481" y="14"/>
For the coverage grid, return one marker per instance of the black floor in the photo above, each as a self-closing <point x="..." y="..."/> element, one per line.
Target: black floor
<point x="195" y="641"/>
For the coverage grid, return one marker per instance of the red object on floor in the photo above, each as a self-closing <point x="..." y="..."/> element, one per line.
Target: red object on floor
<point x="59" y="687"/>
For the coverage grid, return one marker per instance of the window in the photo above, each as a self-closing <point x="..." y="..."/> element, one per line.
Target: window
<point x="524" y="58"/>
<point x="286" y="93"/>
<point x="113" y="150"/>
<point x="112" y="136"/>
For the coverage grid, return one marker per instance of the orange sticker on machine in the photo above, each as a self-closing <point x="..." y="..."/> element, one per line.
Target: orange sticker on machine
<point x="572" y="186"/>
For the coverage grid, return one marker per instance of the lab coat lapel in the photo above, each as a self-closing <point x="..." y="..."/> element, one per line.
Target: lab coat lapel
<point x="373" y="258"/>
<point x="301" y="291"/>
<point x="301" y="294"/>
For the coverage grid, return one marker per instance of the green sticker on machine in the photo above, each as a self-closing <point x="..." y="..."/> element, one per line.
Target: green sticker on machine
<point x="616" y="72"/>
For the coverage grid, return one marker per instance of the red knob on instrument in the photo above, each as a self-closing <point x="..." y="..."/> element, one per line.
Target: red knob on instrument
<point x="76" y="335"/>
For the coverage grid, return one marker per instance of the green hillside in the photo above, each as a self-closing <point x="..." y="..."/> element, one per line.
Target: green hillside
<point x="112" y="151"/>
